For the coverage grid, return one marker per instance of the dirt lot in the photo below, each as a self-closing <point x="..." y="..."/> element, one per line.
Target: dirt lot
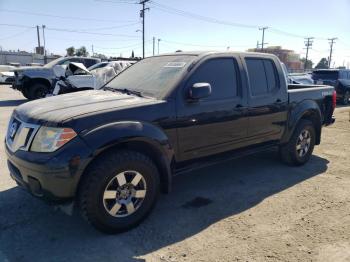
<point x="251" y="209"/>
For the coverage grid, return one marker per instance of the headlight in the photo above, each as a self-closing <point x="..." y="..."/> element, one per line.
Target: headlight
<point x="19" y="74"/>
<point x="49" y="139"/>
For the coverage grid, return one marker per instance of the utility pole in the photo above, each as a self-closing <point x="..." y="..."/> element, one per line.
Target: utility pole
<point x="257" y="45"/>
<point x="158" y="44"/>
<point x="332" y="42"/>
<point x="308" y="44"/>
<point x="92" y="50"/>
<point x="154" y="44"/>
<point x="142" y="15"/>
<point x="263" y="37"/>
<point x="38" y="34"/>
<point x="45" y="58"/>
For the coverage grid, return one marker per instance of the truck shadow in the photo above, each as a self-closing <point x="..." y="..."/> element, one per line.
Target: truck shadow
<point x="17" y="102"/>
<point x="30" y="230"/>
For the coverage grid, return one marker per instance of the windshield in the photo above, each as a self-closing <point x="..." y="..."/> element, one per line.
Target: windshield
<point x="99" y="65"/>
<point x="325" y="75"/>
<point x="57" y="61"/>
<point x="154" y="76"/>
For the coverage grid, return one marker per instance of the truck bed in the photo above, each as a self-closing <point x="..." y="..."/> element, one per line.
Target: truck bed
<point x="298" y="93"/>
<point x="321" y="94"/>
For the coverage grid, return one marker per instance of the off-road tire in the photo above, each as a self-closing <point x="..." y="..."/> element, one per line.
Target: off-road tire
<point x="288" y="152"/>
<point x="38" y="91"/>
<point x="345" y="98"/>
<point x="95" y="180"/>
<point x="24" y="92"/>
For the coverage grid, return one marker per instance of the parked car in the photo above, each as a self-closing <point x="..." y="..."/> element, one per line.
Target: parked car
<point x="339" y="78"/>
<point x="117" y="65"/>
<point x="112" y="150"/>
<point x="301" y="78"/>
<point x="35" y="82"/>
<point x="6" y="74"/>
<point x="76" y="77"/>
<point x="7" y="77"/>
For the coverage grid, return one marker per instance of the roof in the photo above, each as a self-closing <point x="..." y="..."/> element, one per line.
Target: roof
<point x="206" y="53"/>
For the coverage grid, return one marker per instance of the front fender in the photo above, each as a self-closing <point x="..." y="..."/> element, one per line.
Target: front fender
<point x="110" y="135"/>
<point x="308" y="109"/>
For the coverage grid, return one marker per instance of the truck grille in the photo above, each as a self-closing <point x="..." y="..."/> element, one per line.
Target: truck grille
<point x="20" y="135"/>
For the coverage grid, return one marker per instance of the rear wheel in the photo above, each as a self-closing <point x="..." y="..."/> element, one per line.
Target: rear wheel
<point x="299" y="148"/>
<point x="38" y="91"/>
<point x="346" y="98"/>
<point x="119" y="191"/>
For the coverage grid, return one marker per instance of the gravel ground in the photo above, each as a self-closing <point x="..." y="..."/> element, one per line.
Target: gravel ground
<point x="250" y="209"/>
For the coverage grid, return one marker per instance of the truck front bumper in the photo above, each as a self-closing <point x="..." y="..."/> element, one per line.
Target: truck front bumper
<point x="51" y="176"/>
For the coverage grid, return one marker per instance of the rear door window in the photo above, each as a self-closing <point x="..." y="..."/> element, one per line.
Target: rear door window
<point x="262" y="76"/>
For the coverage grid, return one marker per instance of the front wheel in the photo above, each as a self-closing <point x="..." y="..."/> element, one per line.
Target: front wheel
<point x="118" y="191"/>
<point x="300" y="146"/>
<point x="346" y="98"/>
<point x="38" y="91"/>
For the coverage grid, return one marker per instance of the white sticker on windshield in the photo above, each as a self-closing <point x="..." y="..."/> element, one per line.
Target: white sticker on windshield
<point x="175" y="64"/>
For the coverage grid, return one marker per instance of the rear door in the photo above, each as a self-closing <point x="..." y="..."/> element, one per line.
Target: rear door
<point x="217" y="123"/>
<point x="267" y="100"/>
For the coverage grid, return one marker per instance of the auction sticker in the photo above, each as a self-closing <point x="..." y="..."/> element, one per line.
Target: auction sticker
<point x="175" y="64"/>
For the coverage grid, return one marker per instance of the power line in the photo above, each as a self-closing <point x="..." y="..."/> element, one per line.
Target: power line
<point x="111" y="27"/>
<point x="199" y="45"/>
<point x="172" y="10"/>
<point x="17" y="34"/>
<point x="70" y="30"/>
<point x="191" y="15"/>
<point x="118" y="2"/>
<point x="61" y="17"/>
<point x="16" y="25"/>
<point x="89" y="33"/>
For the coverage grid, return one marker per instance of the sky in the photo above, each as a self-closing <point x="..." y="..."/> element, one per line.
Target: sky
<point x="113" y="27"/>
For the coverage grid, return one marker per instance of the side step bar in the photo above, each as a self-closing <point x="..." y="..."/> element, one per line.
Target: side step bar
<point x="213" y="160"/>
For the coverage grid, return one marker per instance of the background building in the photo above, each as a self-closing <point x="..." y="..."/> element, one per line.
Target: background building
<point x="23" y="58"/>
<point x="288" y="57"/>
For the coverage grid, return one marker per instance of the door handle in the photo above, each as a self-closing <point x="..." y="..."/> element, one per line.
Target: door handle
<point x="278" y="101"/>
<point x="239" y="106"/>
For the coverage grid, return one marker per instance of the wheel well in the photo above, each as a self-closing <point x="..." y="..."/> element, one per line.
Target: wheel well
<point x="315" y="119"/>
<point x="42" y="81"/>
<point x="147" y="149"/>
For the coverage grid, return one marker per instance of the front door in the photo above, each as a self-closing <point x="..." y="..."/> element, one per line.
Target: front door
<point x="217" y="123"/>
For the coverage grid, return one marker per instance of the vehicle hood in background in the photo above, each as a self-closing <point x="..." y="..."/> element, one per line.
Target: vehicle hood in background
<point x="55" y="110"/>
<point x="35" y="71"/>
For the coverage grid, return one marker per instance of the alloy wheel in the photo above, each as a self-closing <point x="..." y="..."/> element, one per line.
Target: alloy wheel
<point x="303" y="143"/>
<point x="124" y="194"/>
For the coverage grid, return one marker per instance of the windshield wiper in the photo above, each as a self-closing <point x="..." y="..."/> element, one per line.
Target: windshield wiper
<point x="124" y="91"/>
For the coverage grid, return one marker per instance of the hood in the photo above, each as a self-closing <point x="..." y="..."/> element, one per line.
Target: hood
<point x="27" y="67"/>
<point x="58" y="109"/>
<point x="35" y="71"/>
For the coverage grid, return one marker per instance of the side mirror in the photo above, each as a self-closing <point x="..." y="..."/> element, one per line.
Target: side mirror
<point x="199" y="91"/>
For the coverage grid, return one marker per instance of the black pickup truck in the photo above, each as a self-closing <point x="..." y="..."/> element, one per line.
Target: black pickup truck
<point x="111" y="151"/>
